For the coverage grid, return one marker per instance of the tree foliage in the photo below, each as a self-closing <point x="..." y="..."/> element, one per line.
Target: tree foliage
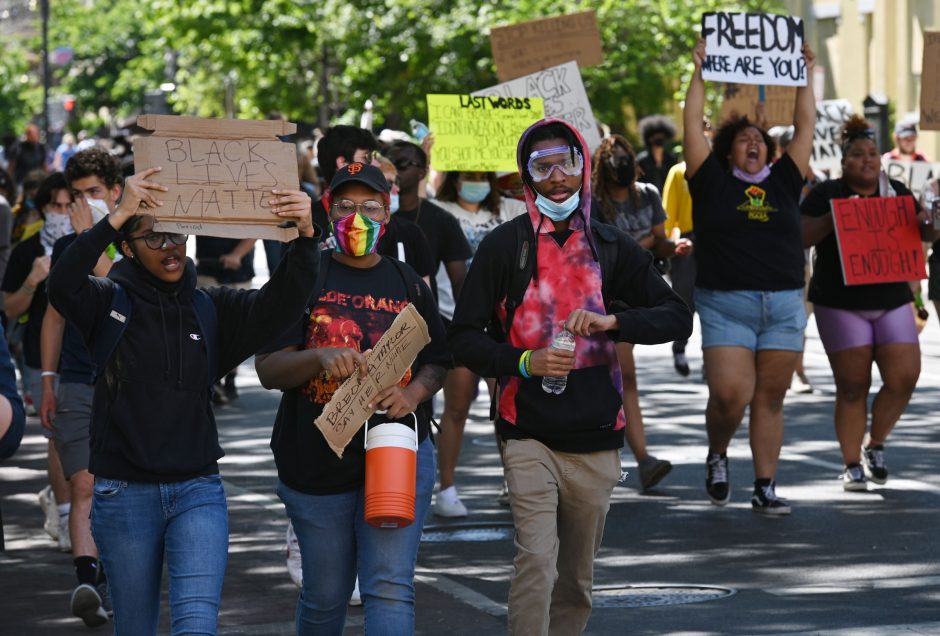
<point x="322" y="59"/>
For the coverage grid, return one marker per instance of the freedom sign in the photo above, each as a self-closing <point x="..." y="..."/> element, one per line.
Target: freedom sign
<point x="879" y="240"/>
<point x="753" y="48"/>
<point x="479" y="134"/>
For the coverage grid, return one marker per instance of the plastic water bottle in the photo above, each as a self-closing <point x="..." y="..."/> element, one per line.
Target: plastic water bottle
<point x="564" y="341"/>
<point x="419" y="130"/>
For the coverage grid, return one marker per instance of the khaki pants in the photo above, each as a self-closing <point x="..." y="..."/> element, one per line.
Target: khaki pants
<point x="559" y="505"/>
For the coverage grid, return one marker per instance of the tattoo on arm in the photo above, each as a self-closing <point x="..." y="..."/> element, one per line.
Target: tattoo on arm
<point x="431" y="377"/>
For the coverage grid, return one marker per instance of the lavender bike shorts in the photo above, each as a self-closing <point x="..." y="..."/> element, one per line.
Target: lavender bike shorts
<point x="841" y="329"/>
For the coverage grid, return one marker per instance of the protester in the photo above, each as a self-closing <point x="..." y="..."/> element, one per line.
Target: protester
<point x="749" y="284"/>
<point x="27" y="154"/>
<point x="655" y="160"/>
<point x="561" y="451"/>
<point x="861" y="324"/>
<point x="64" y="152"/>
<point x="323" y="493"/>
<point x="474" y="200"/>
<point x="930" y="201"/>
<point x="905" y="144"/>
<point x="68" y="382"/>
<point x="402" y="238"/>
<point x="12" y="413"/>
<point x="448" y="244"/>
<point x="677" y="203"/>
<point x="634" y="207"/>
<point x="7" y="197"/>
<point x="24" y="287"/>
<point x="27" y="218"/>
<point x="158" y="496"/>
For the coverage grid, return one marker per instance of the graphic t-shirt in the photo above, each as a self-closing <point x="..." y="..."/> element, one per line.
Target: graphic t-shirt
<point x="636" y="218"/>
<point x="827" y="287"/>
<point x="354" y="309"/>
<point x="747" y="235"/>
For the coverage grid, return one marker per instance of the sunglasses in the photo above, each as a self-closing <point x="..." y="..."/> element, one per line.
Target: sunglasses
<point x="404" y="164"/>
<point x="156" y="240"/>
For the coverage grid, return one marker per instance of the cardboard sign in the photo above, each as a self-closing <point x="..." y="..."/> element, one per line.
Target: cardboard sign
<point x="527" y="47"/>
<point x="742" y="99"/>
<point x="563" y="92"/>
<point x="913" y="174"/>
<point x="827" y="151"/>
<point x="930" y="82"/>
<point x="753" y="48"/>
<point x="879" y="240"/>
<point x="475" y="133"/>
<point x="220" y="173"/>
<point x="394" y="353"/>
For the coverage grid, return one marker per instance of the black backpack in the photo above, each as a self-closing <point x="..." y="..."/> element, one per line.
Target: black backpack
<point x="109" y="332"/>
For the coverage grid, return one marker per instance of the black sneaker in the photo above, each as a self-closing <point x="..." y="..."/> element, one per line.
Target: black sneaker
<point x="766" y="501"/>
<point x="105" y="594"/>
<point x="231" y="391"/>
<point x="681" y="363"/>
<point x="853" y="479"/>
<point x="86" y="604"/>
<point x="716" y="479"/>
<point x="873" y="459"/>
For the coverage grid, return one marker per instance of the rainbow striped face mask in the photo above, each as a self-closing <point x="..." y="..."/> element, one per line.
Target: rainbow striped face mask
<point x="357" y="234"/>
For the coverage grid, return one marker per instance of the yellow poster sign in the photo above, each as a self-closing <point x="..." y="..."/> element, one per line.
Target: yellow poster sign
<point x="477" y="133"/>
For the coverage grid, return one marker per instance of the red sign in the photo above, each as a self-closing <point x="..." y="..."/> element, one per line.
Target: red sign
<point x="879" y="240"/>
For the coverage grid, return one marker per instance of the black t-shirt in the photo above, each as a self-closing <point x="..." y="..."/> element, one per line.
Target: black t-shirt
<point x="827" y="287"/>
<point x="21" y="262"/>
<point x="415" y="249"/>
<point x="447" y="241"/>
<point x="75" y="363"/>
<point x="747" y="235"/>
<point x="209" y="249"/>
<point x="28" y="156"/>
<point x="356" y="306"/>
<point x="651" y="173"/>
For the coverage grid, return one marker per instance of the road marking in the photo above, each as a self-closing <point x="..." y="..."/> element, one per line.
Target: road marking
<point x="461" y="592"/>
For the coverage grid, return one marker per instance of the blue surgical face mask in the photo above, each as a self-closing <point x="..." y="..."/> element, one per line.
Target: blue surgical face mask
<point x="558" y="211"/>
<point x="474" y="191"/>
<point x="393" y="203"/>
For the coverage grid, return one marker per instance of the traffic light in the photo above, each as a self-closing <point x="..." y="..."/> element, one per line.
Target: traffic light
<point x="68" y="102"/>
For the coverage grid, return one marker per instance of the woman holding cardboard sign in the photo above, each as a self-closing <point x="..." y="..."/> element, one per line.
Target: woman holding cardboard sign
<point x="159" y="345"/>
<point x="361" y="295"/>
<point x="749" y="284"/>
<point x="861" y="324"/>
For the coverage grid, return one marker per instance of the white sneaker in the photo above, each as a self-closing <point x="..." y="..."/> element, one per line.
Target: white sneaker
<point x="65" y="539"/>
<point x="355" y="599"/>
<point x="51" y="512"/>
<point x="448" y="504"/>
<point x="86" y="604"/>
<point x="294" y="563"/>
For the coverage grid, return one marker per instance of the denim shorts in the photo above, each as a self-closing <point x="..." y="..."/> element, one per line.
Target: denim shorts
<point x="755" y="320"/>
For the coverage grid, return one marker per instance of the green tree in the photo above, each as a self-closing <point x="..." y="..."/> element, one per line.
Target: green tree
<point x="20" y="92"/>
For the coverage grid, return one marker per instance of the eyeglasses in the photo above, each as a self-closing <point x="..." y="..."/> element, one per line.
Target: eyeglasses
<point x="404" y="164"/>
<point x="343" y="208"/>
<point x="565" y="158"/>
<point x="156" y="240"/>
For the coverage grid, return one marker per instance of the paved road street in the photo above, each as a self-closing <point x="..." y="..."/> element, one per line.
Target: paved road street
<point x="841" y="564"/>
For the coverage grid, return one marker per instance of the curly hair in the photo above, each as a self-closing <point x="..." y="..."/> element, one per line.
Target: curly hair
<point x="656" y="125"/>
<point x="602" y="175"/>
<point x="729" y="129"/>
<point x="448" y="191"/>
<point x="854" y="128"/>
<point x="94" y="162"/>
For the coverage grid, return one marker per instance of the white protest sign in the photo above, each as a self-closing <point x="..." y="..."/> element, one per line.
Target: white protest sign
<point x="827" y="151"/>
<point x="753" y="48"/>
<point x="913" y="174"/>
<point x="563" y="91"/>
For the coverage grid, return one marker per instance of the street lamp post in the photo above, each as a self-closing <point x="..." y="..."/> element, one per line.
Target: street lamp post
<point x="46" y="80"/>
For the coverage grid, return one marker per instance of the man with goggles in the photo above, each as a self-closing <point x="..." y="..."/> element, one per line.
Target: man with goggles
<point x="560" y="451"/>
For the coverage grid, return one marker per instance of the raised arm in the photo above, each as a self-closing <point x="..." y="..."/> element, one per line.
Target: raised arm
<point x="695" y="143"/>
<point x="804" y="117"/>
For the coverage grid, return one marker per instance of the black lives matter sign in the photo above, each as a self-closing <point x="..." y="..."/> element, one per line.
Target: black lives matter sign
<point x="753" y="48"/>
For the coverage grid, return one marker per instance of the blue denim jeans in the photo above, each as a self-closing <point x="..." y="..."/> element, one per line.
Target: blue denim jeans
<point x="336" y="542"/>
<point x="137" y="525"/>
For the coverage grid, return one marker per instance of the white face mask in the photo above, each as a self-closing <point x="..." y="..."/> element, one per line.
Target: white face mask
<point x="99" y="209"/>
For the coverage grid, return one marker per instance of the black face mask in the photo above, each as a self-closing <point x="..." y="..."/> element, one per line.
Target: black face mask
<point x="658" y="142"/>
<point x="624" y="172"/>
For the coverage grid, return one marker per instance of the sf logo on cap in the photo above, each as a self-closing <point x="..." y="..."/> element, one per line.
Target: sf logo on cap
<point x="354" y="168"/>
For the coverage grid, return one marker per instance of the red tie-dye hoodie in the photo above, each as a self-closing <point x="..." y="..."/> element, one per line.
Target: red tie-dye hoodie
<point x="588" y="416"/>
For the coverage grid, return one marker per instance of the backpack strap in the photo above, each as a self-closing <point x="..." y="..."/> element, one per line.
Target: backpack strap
<point x="412" y="288"/>
<point x="108" y="333"/>
<point x="520" y="274"/>
<point x="208" y="319"/>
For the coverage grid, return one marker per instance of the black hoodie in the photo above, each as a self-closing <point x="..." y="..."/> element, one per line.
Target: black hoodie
<point x="152" y="419"/>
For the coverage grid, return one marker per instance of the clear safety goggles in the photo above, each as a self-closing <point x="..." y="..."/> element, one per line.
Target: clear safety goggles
<point x="543" y="162"/>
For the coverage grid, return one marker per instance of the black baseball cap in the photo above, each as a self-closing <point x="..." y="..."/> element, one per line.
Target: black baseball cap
<point x="363" y="173"/>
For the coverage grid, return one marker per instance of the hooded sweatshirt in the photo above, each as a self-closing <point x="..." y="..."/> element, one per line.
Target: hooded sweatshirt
<point x="588" y="416"/>
<point x="152" y="419"/>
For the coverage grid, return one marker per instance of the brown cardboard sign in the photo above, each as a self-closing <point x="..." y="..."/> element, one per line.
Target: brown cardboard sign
<point x="528" y="47"/>
<point x="394" y="353"/>
<point x="930" y="82"/>
<point x="742" y="99"/>
<point x="220" y="173"/>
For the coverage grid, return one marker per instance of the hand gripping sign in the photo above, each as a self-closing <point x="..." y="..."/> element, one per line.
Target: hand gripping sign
<point x="219" y="174"/>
